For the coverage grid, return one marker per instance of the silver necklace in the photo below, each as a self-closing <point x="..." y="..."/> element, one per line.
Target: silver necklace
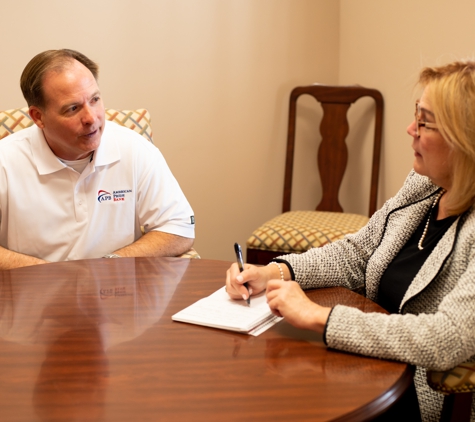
<point x="436" y="200"/>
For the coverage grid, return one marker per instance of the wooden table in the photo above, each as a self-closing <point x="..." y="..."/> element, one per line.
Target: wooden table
<point x="93" y="340"/>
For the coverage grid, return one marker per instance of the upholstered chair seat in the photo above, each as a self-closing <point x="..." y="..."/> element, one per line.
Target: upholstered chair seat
<point x="296" y="231"/>
<point x="458" y="386"/>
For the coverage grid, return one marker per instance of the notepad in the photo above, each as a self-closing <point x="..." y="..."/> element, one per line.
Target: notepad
<point x="220" y="311"/>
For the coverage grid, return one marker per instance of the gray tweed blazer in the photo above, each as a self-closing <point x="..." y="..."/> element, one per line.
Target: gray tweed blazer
<point x="435" y="327"/>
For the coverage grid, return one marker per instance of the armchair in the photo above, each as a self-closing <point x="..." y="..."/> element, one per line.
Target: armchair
<point x="458" y="386"/>
<point x="13" y="120"/>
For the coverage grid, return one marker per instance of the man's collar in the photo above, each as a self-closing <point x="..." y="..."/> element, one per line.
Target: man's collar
<point x="108" y="151"/>
<point x="46" y="162"/>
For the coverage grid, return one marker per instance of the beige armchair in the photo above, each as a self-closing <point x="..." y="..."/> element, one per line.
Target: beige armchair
<point x="458" y="386"/>
<point x="13" y="120"/>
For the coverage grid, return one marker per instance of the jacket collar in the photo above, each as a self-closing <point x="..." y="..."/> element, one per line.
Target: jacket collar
<point x="408" y="210"/>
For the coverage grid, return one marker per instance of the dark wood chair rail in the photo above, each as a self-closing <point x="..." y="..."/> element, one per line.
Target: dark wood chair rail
<point x="94" y="340"/>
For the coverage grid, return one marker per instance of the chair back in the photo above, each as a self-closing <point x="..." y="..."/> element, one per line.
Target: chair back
<point x="333" y="152"/>
<point x="13" y="120"/>
<point x="138" y="120"/>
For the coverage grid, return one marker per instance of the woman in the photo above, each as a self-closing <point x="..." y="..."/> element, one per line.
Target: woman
<point x="416" y="256"/>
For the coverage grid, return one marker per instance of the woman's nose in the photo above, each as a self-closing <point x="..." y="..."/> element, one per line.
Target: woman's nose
<point x="411" y="129"/>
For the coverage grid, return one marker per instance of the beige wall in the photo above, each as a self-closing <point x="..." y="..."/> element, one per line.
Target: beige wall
<point x="384" y="44"/>
<point x="215" y="75"/>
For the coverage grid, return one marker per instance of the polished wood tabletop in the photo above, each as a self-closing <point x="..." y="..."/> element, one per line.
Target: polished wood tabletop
<point x="93" y="340"/>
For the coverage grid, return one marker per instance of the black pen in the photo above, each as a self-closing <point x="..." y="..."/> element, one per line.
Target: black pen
<point x="238" y="251"/>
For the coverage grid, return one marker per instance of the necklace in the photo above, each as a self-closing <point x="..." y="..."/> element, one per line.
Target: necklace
<point x="436" y="200"/>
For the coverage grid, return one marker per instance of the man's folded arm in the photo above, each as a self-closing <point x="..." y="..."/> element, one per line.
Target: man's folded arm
<point x="155" y="243"/>
<point x="10" y="259"/>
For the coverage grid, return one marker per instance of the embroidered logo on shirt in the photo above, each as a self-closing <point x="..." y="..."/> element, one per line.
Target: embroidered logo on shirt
<point x="119" y="195"/>
<point x="103" y="195"/>
<point x="116" y="195"/>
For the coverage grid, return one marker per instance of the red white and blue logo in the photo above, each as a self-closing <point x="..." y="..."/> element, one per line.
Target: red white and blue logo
<point x="116" y="195"/>
<point x="103" y="195"/>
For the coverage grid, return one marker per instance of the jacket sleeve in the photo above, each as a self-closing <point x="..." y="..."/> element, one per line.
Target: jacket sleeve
<point x="435" y="329"/>
<point x="437" y="339"/>
<point x="343" y="263"/>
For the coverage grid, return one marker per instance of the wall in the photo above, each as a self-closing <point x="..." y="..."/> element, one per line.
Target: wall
<point x="384" y="44"/>
<point x="215" y="75"/>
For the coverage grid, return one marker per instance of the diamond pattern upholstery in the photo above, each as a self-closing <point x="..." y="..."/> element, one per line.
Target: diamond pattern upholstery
<point x="138" y="120"/>
<point x="457" y="385"/>
<point x="460" y="379"/>
<point x="14" y="120"/>
<point x="298" y="231"/>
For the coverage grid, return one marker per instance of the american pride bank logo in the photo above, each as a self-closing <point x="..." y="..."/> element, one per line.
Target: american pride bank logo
<point x="117" y="195"/>
<point x="103" y="195"/>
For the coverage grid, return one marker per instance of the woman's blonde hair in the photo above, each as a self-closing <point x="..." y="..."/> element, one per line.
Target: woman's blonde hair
<point x="452" y="96"/>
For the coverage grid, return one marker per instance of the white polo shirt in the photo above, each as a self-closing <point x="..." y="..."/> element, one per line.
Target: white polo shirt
<point x="50" y="211"/>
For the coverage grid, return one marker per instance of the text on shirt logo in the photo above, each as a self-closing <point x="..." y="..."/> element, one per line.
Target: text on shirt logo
<point x="117" y="195"/>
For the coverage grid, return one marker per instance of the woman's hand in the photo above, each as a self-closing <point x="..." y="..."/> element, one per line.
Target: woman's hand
<point x="255" y="277"/>
<point x="287" y="299"/>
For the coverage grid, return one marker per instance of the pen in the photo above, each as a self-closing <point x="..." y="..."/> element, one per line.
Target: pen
<point x="238" y="251"/>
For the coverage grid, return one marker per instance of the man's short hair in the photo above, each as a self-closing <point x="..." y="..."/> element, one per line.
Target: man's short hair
<point x="31" y="81"/>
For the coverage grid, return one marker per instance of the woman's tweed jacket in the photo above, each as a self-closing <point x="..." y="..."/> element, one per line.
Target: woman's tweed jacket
<point x="435" y="327"/>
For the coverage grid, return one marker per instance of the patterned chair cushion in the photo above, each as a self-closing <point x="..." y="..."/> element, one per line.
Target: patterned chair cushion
<point x="138" y="120"/>
<point x="12" y="121"/>
<point x="298" y="231"/>
<point x="460" y="379"/>
<point x="192" y="254"/>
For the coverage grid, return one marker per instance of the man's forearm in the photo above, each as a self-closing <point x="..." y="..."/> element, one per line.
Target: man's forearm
<point x="10" y="260"/>
<point x="156" y="243"/>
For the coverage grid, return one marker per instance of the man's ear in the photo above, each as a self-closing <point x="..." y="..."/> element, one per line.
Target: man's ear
<point x="37" y="116"/>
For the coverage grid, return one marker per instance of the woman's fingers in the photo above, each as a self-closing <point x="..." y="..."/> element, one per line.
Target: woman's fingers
<point x="290" y="301"/>
<point x="255" y="277"/>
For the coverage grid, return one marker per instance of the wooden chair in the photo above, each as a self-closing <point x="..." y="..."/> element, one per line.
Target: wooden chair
<point x="458" y="386"/>
<point x="298" y="231"/>
<point x="13" y="120"/>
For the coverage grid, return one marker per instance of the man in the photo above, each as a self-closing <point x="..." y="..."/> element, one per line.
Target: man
<point x="74" y="186"/>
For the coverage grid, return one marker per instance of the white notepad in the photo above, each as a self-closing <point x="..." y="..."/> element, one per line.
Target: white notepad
<point x="220" y="311"/>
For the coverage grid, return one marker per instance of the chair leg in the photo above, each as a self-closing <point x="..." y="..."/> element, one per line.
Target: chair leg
<point x="457" y="408"/>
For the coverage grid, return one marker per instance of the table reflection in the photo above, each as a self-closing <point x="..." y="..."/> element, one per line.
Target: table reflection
<point x="74" y="319"/>
<point x="93" y="340"/>
<point x="118" y="303"/>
